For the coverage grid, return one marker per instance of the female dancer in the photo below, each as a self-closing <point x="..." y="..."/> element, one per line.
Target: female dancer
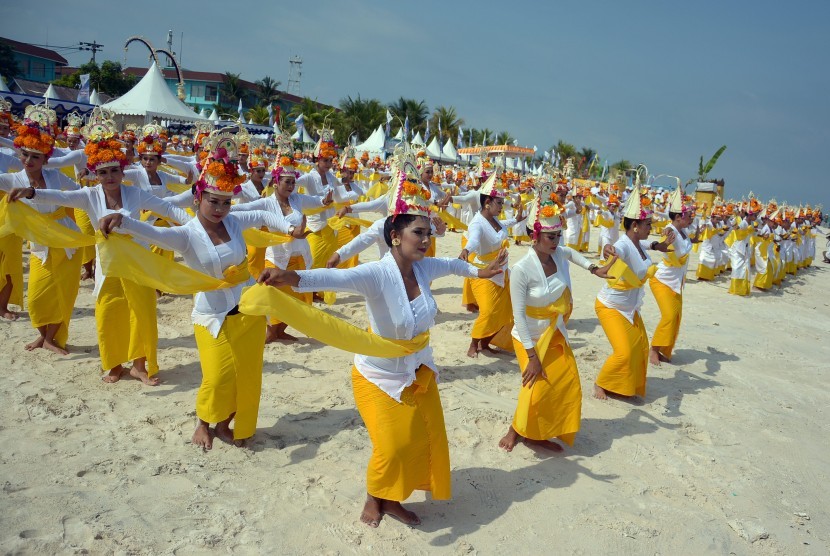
<point x="398" y="398"/>
<point x="294" y="255"/>
<point x="125" y="313"/>
<point x="550" y="398"/>
<point x="230" y="343"/>
<point x="53" y="272"/>
<point x="667" y="283"/>
<point x="487" y="237"/>
<point x="618" y="302"/>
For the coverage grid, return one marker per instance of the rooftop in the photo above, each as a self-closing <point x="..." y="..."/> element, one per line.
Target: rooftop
<point x="37" y="51"/>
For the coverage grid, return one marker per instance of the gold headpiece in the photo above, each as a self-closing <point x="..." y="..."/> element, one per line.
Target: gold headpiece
<point x="546" y="210"/>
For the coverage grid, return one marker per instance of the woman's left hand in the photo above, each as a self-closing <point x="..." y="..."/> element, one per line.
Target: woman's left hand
<point x="109" y="223"/>
<point x="602" y="271"/>
<point x="329" y="198"/>
<point x="495" y="266"/>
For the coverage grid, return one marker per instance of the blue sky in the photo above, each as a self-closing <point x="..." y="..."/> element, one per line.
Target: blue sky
<point x="656" y="82"/>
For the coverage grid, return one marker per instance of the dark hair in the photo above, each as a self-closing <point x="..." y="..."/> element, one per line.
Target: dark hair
<point x="482" y="198"/>
<point x="529" y="232"/>
<point x="673" y="215"/>
<point x="397" y="223"/>
<point x="628" y="222"/>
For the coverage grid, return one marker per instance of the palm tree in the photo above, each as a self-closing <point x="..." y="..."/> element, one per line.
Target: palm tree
<point x="268" y="90"/>
<point x="415" y="110"/>
<point x="450" y="122"/>
<point x="622" y="165"/>
<point x="583" y="159"/>
<point x="314" y="115"/>
<point x="232" y="89"/>
<point x="480" y="135"/>
<point x="258" y="114"/>
<point x="565" y="151"/>
<point x="504" y="138"/>
<point x="359" y="116"/>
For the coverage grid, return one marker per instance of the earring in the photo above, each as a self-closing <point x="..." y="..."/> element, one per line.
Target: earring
<point x="396" y="242"/>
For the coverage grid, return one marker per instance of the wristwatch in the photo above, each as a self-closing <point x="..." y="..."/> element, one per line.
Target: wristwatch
<point x="291" y="230"/>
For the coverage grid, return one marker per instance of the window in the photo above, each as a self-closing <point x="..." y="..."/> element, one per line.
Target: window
<point x="210" y="93"/>
<point x="197" y="91"/>
<point x="38" y="69"/>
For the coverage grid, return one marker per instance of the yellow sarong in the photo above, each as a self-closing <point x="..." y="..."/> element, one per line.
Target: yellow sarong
<point x="409" y="439"/>
<point x="552" y="407"/>
<point x="495" y="312"/>
<point x="671" y="312"/>
<point x="624" y="372"/>
<point x="53" y="287"/>
<point x="125" y="316"/>
<point x="11" y="267"/>
<point x="231" y="372"/>
<point x="344" y="235"/>
<point x="85" y="224"/>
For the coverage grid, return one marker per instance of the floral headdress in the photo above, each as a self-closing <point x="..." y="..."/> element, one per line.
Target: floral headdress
<point x="151" y="140"/>
<point x="423" y="160"/>
<point x="219" y="172"/>
<point x="546" y="211"/>
<point x="103" y="149"/>
<point x="494" y="186"/>
<point x="637" y="206"/>
<point x="128" y="135"/>
<point x="6" y="112"/>
<point x="676" y="200"/>
<point x="364" y="158"/>
<point x="38" y="130"/>
<point x="408" y="195"/>
<point x="257" y="159"/>
<point x="74" y="123"/>
<point x="325" y="147"/>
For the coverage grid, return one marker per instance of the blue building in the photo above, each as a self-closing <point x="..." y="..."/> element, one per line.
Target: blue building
<point x="36" y="63"/>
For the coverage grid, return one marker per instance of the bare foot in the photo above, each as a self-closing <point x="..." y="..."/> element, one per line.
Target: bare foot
<point x="490" y="349"/>
<point x="395" y="509"/>
<point x="88" y="273"/>
<point x="223" y="432"/>
<point x="318" y="297"/>
<point x="36" y="344"/>
<point x="201" y="436"/>
<point x="54" y="348"/>
<point x="277" y="333"/>
<point x="114" y="375"/>
<point x="654" y="357"/>
<point x="371" y="514"/>
<point x="9" y="315"/>
<point x="472" y="308"/>
<point x="509" y="440"/>
<point x="473" y="349"/>
<point x="546" y="444"/>
<point x="599" y="393"/>
<point x="142" y="375"/>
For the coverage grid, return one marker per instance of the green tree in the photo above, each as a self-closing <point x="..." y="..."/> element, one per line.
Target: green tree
<point x="268" y="90"/>
<point x="704" y="169"/>
<point x="504" y="138"/>
<point x="107" y="78"/>
<point x="257" y="114"/>
<point x="315" y="115"/>
<point x="450" y="122"/>
<point x="9" y="68"/>
<point x="622" y="165"/>
<point x="231" y="89"/>
<point x="565" y="151"/>
<point x="415" y="110"/>
<point x="361" y="116"/>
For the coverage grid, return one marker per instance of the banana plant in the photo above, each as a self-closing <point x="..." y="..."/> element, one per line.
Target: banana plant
<point x="704" y="169"/>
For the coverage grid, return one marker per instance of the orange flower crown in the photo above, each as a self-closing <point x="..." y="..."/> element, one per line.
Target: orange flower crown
<point x="30" y="137"/>
<point x="613" y="199"/>
<point x="284" y="166"/>
<point x="244" y="148"/>
<point x="364" y="157"/>
<point x="219" y="172"/>
<point x="104" y="152"/>
<point x="327" y="150"/>
<point x="546" y="211"/>
<point x="351" y="164"/>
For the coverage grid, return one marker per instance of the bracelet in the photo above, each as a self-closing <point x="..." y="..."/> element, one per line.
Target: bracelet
<point x="592" y="268"/>
<point x="32" y="196"/>
<point x="653" y="243"/>
<point x="531" y="355"/>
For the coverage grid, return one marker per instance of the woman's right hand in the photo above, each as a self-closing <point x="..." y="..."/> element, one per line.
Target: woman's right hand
<point x="109" y="223"/>
<point x="608" y="251"/>
<point x="277" y="277"/>
<point x="464" y="255"/>
<point x="533" y="372"/>
<point x="21" y="193"/>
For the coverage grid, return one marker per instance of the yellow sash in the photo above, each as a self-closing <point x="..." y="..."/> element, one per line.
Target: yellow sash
<point x="737" y="235"/>
<point x="121" y="257"/>
<point x="670" y="258"/>
<point x="625" y="277"/>
<point x="265" y="300"/>
<point x="58" y="214"/>
<point x="179" y="187"/>
<point x="337" y="223"/>
<point x="255" y="237"/>
<point x="318" y="210"/>
<point x="22" y="220"/>
<point x="451" y="220"/>
<point x="375" y="191"/>
<point x="605" y="222"/>
<point x="491" y="256"/>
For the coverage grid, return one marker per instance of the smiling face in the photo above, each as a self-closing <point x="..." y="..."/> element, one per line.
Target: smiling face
<point x="110" y="176"/>
<point x="32" y="161"/>
<point x="415" y="239"/>
<point x="214" y="208"/>
<point x="426" y="174"/>
<point x="286" y="185"/>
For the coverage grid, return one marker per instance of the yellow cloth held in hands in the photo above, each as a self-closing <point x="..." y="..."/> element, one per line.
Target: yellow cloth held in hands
<point x="265" y="300"/>
<point x="625" y="279"/>
<point x="255" y="237"/>
<point x="451" y="220"/>
<point x="22" y="220"/>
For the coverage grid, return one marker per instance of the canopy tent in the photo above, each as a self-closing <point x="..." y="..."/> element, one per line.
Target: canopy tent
<point x="3" y="88"/>
<point x="306" y="138"/>
<point x="494" y="150"/>
<point x="61" y="107"/>
<point x="417" y="140"/>
<point x="374" y="145"/>
<point x="214" y="117"/>
<point x="399" y="136"/>
<point x="449" y="151"/>
<point x="50" y="93"/>
<point x="151" y="97"/>
<point x="95" y="98"/>
<point x="435" y="153"/>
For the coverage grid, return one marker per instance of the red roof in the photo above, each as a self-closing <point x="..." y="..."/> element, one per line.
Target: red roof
<point x="37" y="51"/>
<point x="209" y="76"/>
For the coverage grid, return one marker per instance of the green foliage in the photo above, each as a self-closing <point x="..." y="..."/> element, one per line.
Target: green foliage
<point x="268" y="90"/>
<point x="450" y="122"/>
<point x="361" y="116"/>
<point x="416" y="110"/>
<point x="231" y="89"/>
<point x="258" y="114"/>
<point x="107" y="78"/>
<point x="9" y="68"/>
<point x="704" y="169"/>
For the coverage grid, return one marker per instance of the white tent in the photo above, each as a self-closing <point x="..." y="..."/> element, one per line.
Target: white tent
<point x="399" y="135"/>
<point x="449" y="151"/>
<point x="435" y="153"/>
<point x="417" y="140"/>
<point x="306" y="139"/>
<point x="3" y="87"/>
<point x="204" y="114"/>
<point x="94" y="98"/>
<point x="374" y="144"/>
<point x="152" y="97"/>
<point x="214" y="117"/>
<point x="50" y="93"/>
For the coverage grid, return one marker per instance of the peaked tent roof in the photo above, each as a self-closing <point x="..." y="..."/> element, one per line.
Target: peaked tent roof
<point x="152" y="97"/>
<point x="374" y="144"/>
<point x="449" y="151"/>
<point x="50" y="93"/>
<point x="417" y="140"/>
<point x="434" y="152"/>
<point x="306" y="139"/>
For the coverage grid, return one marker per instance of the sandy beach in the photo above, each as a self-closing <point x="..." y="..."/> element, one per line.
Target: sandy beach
<point x="727" y="454"/>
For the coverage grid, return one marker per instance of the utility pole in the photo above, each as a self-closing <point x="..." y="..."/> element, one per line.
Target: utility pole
<point x="93" y="46"/>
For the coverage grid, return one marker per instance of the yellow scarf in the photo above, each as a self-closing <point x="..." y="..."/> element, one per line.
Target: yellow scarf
<point x="625" y="277"/>
<point x="491" y="256"/>
<point x="451" y="220"/>
<point x="22" y="220"/>
<point x="670" y="258"/>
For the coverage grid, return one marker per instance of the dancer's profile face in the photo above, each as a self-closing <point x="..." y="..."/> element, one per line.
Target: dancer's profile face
<point x="110" y="176"/>
<point x="415" y="239"/>
<point x="547" y="242"/>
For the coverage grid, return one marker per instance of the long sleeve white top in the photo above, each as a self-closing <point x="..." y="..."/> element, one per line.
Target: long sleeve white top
<point x="482" y="239"/>
<point x="373" y="235"/>
<point x="199" y="253"/>
<point x="55" y="180"/>
<point x="380" y="204"/>
<point x="529" y="287"/>
<point x="674" y="276"/>
<point x="627" y="302"/>
<point x="313" y="184"/>
<point x="93" y="202"/>
<point x="391" y="314"/>
<point x="9" y="162"/>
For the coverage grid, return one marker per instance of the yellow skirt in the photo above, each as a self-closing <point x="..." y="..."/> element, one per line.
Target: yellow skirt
<point x="125" y="315"/>
<point x="495" y="312"/>
<point x="764" y="281"/>
<point x="53" y="287"/>
<point x="323" y="244"/>
<point x="231" y="372"/>
<point x="409" y="439"/>
<point x="551" y="408"/>
<point x="344" y="236"/>
<point x="624" y="372"/>
<point x="294" y="263"/>
<point x="85" y="224"/>
<point x="467" y="295"/>
<point x="11" y="267"/>
<point x="739" y="286"/>
<point x="671" y="312"/>
<point x="705" y="272"/>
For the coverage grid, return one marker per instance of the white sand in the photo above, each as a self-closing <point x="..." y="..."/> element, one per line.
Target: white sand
<point x="727" y="454"/>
